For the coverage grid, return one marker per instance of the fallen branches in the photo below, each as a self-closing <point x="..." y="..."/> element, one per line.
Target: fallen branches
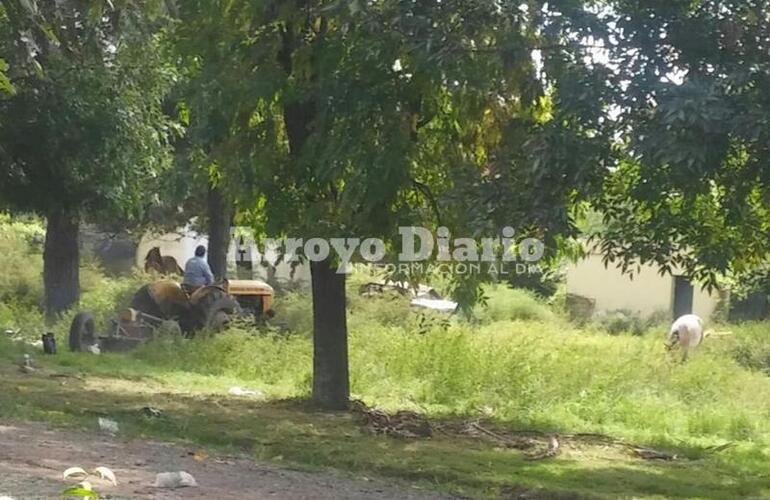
<point x="538" y="445"/>
<point x="519" y="441"/>
<point x="650" y="454"/>
<point x="403" y="424"/>
<point x="553" y="449"/>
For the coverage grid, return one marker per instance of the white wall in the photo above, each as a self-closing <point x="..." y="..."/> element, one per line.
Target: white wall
<point x="181" y="245"/>
<point x="647" y="293"/>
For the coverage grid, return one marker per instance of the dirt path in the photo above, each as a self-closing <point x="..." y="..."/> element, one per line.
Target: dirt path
<point x="33" y="457"/>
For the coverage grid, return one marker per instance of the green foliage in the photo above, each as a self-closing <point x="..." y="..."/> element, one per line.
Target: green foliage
<point x="80" y="492"/>
<point x="749" y="346"/>
<point x="106" y="296"/>
<point x="296" y="311"/>
<point x="21" y="287"/>
<point x="625" y="321"/>
<point x="506" y="304"/>
<point x="92" y="96"/>
<point x="198" y="410"/>
<point x="539" y="372"/>
<point x="692" y="192"/>
<point x="545" y="375"/>
<point x="21" y="281"/>
<point x="395" y="113"/>
<point x="6" y="87"/>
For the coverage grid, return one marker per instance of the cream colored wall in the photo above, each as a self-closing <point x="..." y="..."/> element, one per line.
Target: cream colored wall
<point x="704" y="304"/>
<point x="647" y="293"/>
<point x="181" y="245"/>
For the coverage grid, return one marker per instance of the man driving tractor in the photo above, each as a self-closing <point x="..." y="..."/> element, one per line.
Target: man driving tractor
<point x="197" y="272"/>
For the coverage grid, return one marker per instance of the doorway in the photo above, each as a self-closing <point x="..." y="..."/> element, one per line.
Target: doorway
<point x="683" y="295"/>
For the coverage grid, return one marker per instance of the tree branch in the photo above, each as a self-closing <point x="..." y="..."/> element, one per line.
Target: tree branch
<point x="425" y="190"/>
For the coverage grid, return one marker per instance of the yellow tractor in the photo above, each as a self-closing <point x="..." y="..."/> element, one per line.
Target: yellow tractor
<point x="169" y="305"/>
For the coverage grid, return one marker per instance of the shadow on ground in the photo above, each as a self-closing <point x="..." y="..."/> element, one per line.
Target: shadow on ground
<point x="293" y="434"/>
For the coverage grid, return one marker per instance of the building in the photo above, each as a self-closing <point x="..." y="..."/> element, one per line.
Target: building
<point x="596" y="288"/>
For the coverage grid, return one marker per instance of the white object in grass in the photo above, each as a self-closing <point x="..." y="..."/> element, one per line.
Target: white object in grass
<point x="75" y="473"/>
<point x="179" y="479"/>
<point x="240" y="391"/>
<point x="105" y="473"/>
<point x="435" y="304"/>
<point x="108" y="426"/>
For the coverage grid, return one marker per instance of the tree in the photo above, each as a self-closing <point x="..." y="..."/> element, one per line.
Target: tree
<point x="83" y="134"/>
<point x="351" y="118"/>
<point x="693" y="189"/>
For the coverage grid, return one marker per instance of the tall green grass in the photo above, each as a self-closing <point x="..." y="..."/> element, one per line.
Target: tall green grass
<point x="21" y="248"/>
<point x="21" y="282"/>
<point x="503" y="303"/>
<point x="527" y="373"/>
<point x="516" y="361"/>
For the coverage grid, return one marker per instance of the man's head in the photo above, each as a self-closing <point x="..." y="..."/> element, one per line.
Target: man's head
<point x="200" y="251"/>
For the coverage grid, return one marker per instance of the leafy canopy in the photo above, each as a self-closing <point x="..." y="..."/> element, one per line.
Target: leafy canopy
<point x="694" y="190"/>
<point x="84" y="128"/>
<point x="351" y="118"/>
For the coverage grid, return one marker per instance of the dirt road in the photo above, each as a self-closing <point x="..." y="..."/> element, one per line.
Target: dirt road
<point x="33" y="457"/>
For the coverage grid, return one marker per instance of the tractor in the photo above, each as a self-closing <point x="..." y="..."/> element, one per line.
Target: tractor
<point x="169" y="305"/>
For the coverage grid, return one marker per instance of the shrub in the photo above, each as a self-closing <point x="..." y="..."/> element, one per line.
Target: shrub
<point x="21" y="283"/>
<point x="295" y="310"/>
<point x="505" y="303"/>
<point x="625" y="321"/>
<point x="749" y="345"/>
<point x="27" y="321"/>
<point x="21" y="279"/>
<point x="105" y="296"/>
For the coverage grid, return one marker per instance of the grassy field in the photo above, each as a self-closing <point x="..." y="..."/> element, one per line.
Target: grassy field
<point x="517" y="366"/>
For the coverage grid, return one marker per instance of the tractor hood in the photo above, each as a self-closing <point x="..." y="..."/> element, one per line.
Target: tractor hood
<point x="248" y="287"/>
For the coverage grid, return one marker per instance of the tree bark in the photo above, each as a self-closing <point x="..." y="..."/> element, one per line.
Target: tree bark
<point x="61" y="262"/>
<point x="220" y="213"/>
<point x="331" y="386"/>
<point x="331" y="381"/>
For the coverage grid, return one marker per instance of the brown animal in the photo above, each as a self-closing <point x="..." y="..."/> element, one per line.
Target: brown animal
<point x="164" y="264"/>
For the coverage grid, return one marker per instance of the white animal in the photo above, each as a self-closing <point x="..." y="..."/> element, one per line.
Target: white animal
<point x="26" y="365"/>
<point x="687" y="332"/>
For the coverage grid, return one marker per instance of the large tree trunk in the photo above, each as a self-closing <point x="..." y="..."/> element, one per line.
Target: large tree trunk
<point x="61" y="262"/>
<point x="220" y="213"/>
<point x="331" y="382"/>
<point x="331" y="386"/>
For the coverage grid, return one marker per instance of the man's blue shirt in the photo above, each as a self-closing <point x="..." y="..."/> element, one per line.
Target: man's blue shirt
<point x="197" y="272"/>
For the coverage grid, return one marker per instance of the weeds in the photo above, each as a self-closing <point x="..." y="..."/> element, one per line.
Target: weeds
<point x="518" y="363"/>
<point x="512" y="304"/>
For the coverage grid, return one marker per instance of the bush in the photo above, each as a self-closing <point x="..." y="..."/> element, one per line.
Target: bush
<point x="625" y="321"/>
<point x="749" y="345"/>
<point x="27" y="321"/>
<point x="20" y="245"/>
<point x="21" y="283"/>
<point x="295" y="311"/>
<point x="106" y="296"/>
<point x="509" y="304"/>
<point x="522" y="364"/>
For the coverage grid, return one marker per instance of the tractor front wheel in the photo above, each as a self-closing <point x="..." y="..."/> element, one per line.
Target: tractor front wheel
<point x="218" y="321"/>
<point x="218" y="310"/>
<point x="82" y="331"/>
